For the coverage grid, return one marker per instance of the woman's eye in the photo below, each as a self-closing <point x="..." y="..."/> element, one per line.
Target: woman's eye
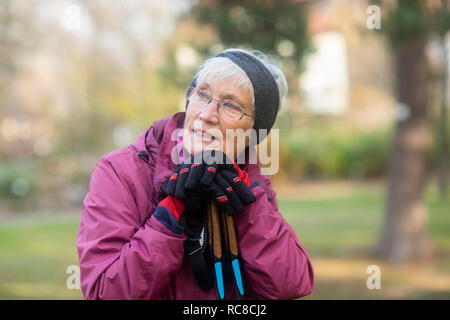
<point x="230" y="105"/>
<point x="201" y="94"/>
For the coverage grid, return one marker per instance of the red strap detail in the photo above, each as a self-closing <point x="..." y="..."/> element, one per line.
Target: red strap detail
<point x="173" y="176"/>
<point x="222" y="198"/>
<point x="212" y="169"/>
<point x="242" y="174"/>
<point x="174" y="205"/>
<point x="184" y="170"/>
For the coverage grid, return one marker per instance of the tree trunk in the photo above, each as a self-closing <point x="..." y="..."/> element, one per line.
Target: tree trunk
<point x="443" y="139"/>
<point x="404" y="235"/>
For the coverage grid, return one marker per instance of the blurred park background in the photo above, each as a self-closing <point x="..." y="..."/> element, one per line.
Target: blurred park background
<point x="364" y="135"/>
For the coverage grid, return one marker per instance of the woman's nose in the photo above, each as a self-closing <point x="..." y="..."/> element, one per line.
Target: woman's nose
<point x="210" y="112"/>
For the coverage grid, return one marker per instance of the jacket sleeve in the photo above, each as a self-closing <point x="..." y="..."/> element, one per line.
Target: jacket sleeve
<point x="275" y="263"/>
<point x="119" y="258"/>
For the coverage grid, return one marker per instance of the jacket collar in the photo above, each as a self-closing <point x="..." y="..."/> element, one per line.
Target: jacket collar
<point x="164" y="166"/>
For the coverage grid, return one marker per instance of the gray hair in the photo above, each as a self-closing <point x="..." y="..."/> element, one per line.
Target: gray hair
<point x="220" y="68"/>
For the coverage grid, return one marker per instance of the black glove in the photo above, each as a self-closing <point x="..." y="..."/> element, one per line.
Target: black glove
<point x="212" y="173"/>
<point x="194" y="216"/>
<point x="230" y="184"/>
<point x="198" y="171"/>
<point x="231" y="192"/>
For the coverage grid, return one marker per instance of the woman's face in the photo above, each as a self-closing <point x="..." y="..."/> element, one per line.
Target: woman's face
<point x="206" y="126"/>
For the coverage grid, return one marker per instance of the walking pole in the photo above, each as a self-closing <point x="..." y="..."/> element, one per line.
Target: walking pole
<point x="216" y="245"/>
<point x="227" y="223"/>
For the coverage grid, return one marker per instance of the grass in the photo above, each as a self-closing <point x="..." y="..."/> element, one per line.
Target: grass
<point x="34" y="256"/>
<point x="340" y="228"/>
<point x="338" y="225"/>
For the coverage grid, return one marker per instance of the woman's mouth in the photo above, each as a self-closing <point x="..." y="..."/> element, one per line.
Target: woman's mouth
<point x="203" y="136"/>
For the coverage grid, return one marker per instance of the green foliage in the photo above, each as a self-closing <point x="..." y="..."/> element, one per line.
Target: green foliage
<point x="259" y="25"/>
<point x="334" y="153"/>
<point x="442" y="21"/>
<point x="84" y="132"/>
<point x="13" y="171"/>
<point x="407" y="21"/>
<point x="436" y="146"/>
<point x="18" y="184"/>
<point x="413" y="19"/>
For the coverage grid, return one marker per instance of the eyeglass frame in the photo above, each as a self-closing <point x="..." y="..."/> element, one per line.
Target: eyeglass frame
<point x="193" y="89"/>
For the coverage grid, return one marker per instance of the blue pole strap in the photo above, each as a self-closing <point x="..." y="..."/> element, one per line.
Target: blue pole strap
<point x="219" y="279"/>
<point x="237" y="275"/>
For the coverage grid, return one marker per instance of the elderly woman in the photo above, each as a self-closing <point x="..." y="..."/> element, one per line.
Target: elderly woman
<point x="147" y="200"/>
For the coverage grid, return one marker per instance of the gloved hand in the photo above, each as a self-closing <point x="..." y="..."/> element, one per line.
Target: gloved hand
<point x="186" y="216"/>
<point x="223" y="179"/>
<point x="231" y="188"/>
<point x="212" y="172"/>
<point x="197" y="171"/>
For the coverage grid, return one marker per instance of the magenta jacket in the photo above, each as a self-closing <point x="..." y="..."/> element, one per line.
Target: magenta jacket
<point x="125" y="253"/>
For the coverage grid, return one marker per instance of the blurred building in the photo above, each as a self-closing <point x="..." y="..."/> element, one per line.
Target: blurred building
<point x="349" y="74"/>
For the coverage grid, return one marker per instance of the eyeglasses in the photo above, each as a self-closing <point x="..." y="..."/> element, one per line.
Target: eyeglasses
<point x="226" y="108"/>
